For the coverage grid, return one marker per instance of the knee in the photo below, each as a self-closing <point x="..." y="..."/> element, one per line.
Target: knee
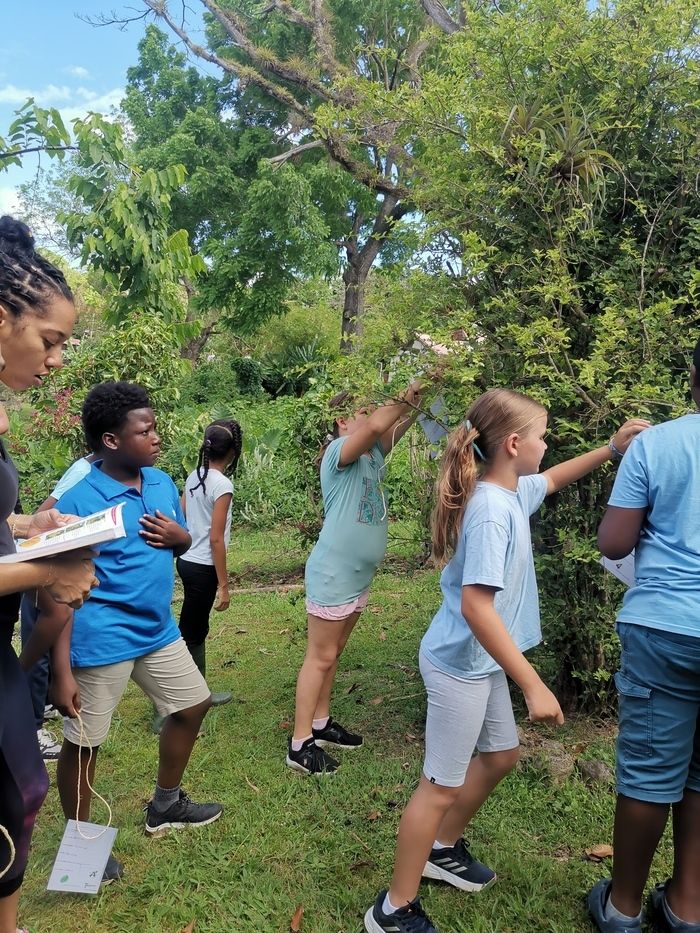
<point x="323" y="660"/>
<point x="193" y="713"/>
<point x="502" y="763"/>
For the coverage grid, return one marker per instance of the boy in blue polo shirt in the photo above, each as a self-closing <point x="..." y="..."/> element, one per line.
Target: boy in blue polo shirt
<point x="127" y="630"/>
<point x="655" y="507"/>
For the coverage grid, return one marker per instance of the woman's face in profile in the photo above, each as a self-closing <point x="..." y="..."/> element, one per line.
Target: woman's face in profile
<point x="32" y="344"/>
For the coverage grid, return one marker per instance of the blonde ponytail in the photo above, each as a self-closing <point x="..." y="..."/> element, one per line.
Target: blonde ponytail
<point x="490" y="420"/>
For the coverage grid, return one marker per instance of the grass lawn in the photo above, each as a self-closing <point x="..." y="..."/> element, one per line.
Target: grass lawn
<point x="324" y="844"/>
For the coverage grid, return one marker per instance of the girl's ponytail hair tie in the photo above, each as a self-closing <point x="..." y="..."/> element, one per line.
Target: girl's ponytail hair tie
<point x="477" y="450"/>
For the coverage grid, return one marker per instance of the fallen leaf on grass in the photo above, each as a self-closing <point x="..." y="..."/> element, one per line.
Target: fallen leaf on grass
<point x="410" y="737"/>
<point x="285" y="724"/>
<point x="374" y="815"/>
<point x="295" y="922"/>
<point x="250" y="784"/>
<point x="241" y="631"/>
<point x="351" y="689"/>
<point x="382" y="636"/>
<point x="189" y="928"/>
<point x="376" y="701"/>
<point x="598" y="853"/>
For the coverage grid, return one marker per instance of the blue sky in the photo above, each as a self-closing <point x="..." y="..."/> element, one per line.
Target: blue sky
<point x="49" y="54"/>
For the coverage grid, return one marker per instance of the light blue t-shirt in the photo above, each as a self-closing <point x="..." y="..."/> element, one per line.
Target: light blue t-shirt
<point x="75" y="472"/>
<point x="494" y="549"/>
<point x="353" y="539"/>
<point x="661" y="472"/>
<point x="129" y="614"/>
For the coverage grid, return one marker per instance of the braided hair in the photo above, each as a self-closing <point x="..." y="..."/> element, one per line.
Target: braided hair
<point x="28" y="282"/>
<point x="220" y="439"/>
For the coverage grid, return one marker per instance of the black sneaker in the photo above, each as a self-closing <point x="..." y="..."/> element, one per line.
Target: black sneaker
<point x="409" y="919"/>
<point x="113" y="871"/>
<point x="334" y="734"/>
<point x="311" y="759"/>
<point x="660" y="913"/>
<point x="184" y="812"/>
<point x="458" y="867"/>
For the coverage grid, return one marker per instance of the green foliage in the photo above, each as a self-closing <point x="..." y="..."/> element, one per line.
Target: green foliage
<point x="47" y="435"/>
<point x="557" y="147"/>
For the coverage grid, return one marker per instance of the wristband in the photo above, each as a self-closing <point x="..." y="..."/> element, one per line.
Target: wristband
<point x="615" y="453"/>
<point x="51" y="577"/>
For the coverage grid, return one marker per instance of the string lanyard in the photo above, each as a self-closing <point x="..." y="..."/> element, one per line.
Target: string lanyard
<point x="13" y="851"/>
<point x="81" y="745"/>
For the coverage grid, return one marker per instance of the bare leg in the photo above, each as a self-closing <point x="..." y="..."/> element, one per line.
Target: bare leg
<point x="485" y="771"/>
<point x="323" y="705"/>
<point x="417" y="831"/>
<point x="72" y="762"/>
<point x="324" y="638"/>
<point x="638" y="828"/>
<point x="684" y="891"/>
<point x="8" y="912"/>
<point x="177" y="738"/>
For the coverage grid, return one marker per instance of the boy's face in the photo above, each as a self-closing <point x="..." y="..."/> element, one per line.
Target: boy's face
<point x="136" y="443"/>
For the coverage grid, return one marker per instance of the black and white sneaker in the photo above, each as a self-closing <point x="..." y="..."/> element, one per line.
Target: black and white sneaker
<point x="458" y="867"/>
<point x="310" y="759"/>
<point x="334" y="734"/>
<point x="113" y="871"/>
<point x="49" y="746"/>
<point x="409" y="919"/>
<point x="184" y="812"/>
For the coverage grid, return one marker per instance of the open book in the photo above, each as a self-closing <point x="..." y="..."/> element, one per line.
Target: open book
<point x="83" y="532"/>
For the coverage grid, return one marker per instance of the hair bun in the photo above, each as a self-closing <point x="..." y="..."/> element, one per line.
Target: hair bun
<point x="15" y="237"/>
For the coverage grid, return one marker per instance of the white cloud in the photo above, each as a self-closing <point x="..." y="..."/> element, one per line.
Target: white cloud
<point x="98" y="103"/>
<point x="9" y="202"/>
<point x="51" y="94"/>
<point x="77" y="71"/>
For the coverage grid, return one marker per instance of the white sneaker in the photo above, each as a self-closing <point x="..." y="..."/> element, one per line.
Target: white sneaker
<point x="50" y="712"/>
<point x="49" y="746"/>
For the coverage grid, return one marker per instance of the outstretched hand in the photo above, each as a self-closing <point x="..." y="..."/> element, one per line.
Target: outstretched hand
<point x="625" y="434"/>
<point x="163" y="532"/>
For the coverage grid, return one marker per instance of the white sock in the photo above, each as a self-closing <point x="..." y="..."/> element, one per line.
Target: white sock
<point x="388" y="907"/>
<point x="440" y="845"/>
<point x="321" y="723"/>
<point x="297" y="743"/>
<point x="612" y="913"/>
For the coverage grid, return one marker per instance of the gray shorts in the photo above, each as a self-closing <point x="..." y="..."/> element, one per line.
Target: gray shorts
<point x="169" y="678"/>
<point x="464" y="715"/>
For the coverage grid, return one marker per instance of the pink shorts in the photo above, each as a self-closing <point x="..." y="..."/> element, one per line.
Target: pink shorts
<point x="337" y="613"/>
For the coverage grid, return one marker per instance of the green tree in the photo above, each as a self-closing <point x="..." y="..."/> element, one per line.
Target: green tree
<point x="328" y="69"/>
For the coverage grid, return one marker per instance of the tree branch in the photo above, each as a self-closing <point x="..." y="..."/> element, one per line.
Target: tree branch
<point x="278" y="160"/>
<point x="439" y="15"/>
<point x="19" y="152"/>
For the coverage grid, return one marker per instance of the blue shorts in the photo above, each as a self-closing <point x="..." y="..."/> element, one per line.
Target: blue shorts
<point x="658" y="746"/>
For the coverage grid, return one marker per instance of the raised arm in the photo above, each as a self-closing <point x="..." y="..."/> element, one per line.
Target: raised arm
<point x="569" y="471"/>
<point x="371" y="431"/>
<point x="488" y="628"/>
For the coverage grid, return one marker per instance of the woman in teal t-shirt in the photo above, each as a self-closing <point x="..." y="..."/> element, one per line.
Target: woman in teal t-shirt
<point x="341" y="566"/>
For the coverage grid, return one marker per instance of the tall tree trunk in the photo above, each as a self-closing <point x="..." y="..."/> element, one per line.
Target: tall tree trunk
<point x="355" y="279"/>
<point x="360" y="262"/>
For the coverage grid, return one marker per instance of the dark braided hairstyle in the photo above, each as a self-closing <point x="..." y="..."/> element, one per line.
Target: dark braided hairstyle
<point x="28" y="282"/>
<point x="220" y="439"/>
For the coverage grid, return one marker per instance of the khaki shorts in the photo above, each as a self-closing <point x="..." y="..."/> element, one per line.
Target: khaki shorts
<point x="169" y="678"/>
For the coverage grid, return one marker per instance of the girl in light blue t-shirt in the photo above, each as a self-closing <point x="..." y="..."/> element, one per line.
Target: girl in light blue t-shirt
<point x="488" y="487"/>
<point x="341" y="566"/>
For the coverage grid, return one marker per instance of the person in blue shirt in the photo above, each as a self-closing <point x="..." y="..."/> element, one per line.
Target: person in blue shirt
<point x="341" y="566"/>
<point x="654" y="509"/>
<point x="127" y="630"/>
<point x="488" y="488"/>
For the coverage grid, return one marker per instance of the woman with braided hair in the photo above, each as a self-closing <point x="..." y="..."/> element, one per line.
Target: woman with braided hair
<point x="36" y="319"/>
<point x="206" y="503"/>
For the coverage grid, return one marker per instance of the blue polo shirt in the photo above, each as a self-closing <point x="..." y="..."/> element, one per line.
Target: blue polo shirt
<point x="129" y="614"/>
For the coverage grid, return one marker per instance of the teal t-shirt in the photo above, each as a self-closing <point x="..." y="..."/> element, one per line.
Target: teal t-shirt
<point x="661" y="473"/>
<point x="353" y="539"/>
<point x="494" y="549"/>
